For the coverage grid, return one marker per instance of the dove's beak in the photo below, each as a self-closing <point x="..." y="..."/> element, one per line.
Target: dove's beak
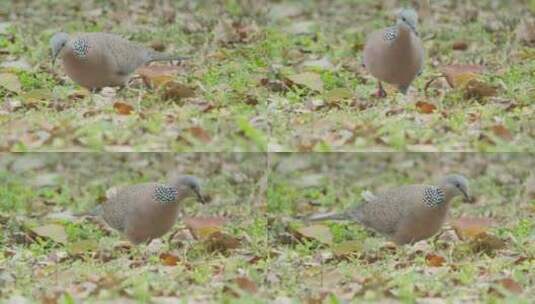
<point x="466" y="195"/>
<point x="54" y="57"/>
<point x="200" y="198"/>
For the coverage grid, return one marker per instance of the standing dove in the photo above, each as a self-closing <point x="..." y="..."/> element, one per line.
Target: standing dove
<point x="147" y="211"/>
<point x="406" y="214"/>
<point x="97" y="60"/>
<point x="395" y="55"/>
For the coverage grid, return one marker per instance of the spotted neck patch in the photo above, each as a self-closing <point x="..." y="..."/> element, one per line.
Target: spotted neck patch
<point x="433" y="197"/>
<point x="391" y="34"/>
<point x="80" y="47"/>
<point x="165" y="194"/>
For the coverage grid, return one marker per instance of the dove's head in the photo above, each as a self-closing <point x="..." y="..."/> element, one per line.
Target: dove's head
<point x="57" y="43"/>
<point x="408" y="17"/>
<point x="189" y="184"/>
<point x="456" y="185"/>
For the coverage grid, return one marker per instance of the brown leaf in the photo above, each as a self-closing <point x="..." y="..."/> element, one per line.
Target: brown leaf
<point x="320" y="233"/>
<point x="338" y="95"/>
<point x="83" y="247"/>
<point x="347" y="248"/>
<point x="460" y="46"/>
<point x="502" y="132"/>
<point x="54" y="232"/>
<point x="246" y="284"/>
<point x="202" y="227"/>
<point x="478" y="89"/>
<point x="157" y="45"/>
<point x="79" y="94"/>
<point x="176" y="91"/>
<point x="168" y="259"/>
<point x="123" y="108"/>
<point x="310" y="80"/>
<point x="457" y="74"/>
<point x="230" y="32"/>
<point x="157" y="75"/>
<point x="511" y="285"/>
<point x="221" y="242"/>
<point x="425" y="107"/>
<point x="251" y="100"/>
<point x="486" y="243"/>
<point x="434" y="260"/>
<point x="525" y="32"/>
<point x="529" y="186"/>
<point x="200" y="134"/>
<point x="471" y="227"/>
<point x="10" y="82"/>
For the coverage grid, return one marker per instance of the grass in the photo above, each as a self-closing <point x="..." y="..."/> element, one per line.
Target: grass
<point x="364" y="123"/>
<point x="244" y="53"/>
<point x="371" y="271"/>
<point x="267" y="76"/>
<point x="38" y="189"/>
<point x="264" y="210"/>
<point x="51" y="113"/>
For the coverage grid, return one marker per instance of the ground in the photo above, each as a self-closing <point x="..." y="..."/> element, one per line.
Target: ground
<point x="340" y="261"/>
<point x="265" y="251"/>
<point x="85" y="261"/>
<point x="267" y="76"/>
<point x="272" y="75"/>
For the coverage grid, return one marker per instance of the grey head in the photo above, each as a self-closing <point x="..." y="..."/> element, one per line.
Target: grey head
<point x="188" y="183"/>
<point x="457" y="184"/>
<point x="408" y="17"/>
<point x="57" y="43"/>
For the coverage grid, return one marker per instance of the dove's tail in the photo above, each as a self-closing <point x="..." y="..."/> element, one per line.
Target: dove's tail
<point x="332" y="216"/>
<point x="94" y="212"/>
<point x="158" y="56"/>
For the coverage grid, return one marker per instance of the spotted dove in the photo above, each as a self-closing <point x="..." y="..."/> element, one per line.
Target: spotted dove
<point x="97" y="60"/>
<point x="143" y="212"/>
<point x="395" y="55"/>
<point x="406" y="214"/>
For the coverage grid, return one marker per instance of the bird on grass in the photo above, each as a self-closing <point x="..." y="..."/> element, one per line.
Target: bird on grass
<point x="97" y="60"/>
<point x="406" y="214"/>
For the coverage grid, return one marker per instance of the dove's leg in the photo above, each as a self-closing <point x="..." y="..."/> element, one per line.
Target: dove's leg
<point x="381" y="93"/>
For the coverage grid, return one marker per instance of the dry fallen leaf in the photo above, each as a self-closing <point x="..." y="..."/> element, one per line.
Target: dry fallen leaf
<point x="478" y="89"/>
<point x="157" y="75"/>
<point x="347" y="248"/>
<point x="246" y="284"/>
<point x="486" y="243"/>
<point x="457" y="74"/>
<point x="525" y="32"/>
<point x="36" y="96"/>
<point x="502" y="132"/>
<point x="310" y="80"/>
<point x="83" y="246"/>
<point x="200" y="134"/>
<point x="338" y="94"/>
<point x="230" y="32"/>
<point x="202" y="227"/>
<point x="530" y="187"/>
<point x="425" y="107"/>
<point x="221" y="242"/>
<point x="123" y="108"/>
<point x="168" y="259"/>
<point x="319" y="233"/>
<point x="176" y="91"/>
<point x="54" y="232"/>
<point x="471" y="227"/>
<point x="460" y="46"/>
<point x="434" y="260"/>
<point x="511" y="285"/>
<point x="10" y="82"/>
